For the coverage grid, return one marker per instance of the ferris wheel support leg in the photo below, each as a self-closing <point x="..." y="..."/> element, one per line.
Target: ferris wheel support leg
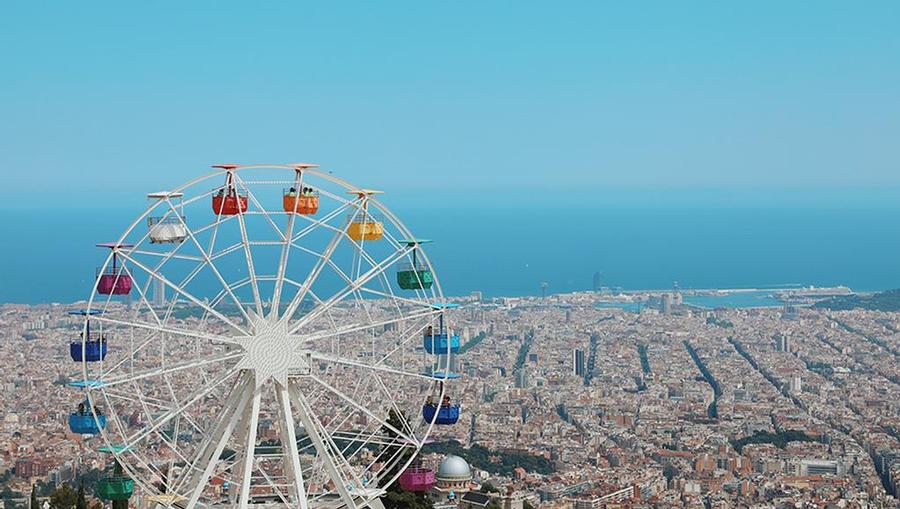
<point x="315" y="437"/>
<point x="249" y="451"/>
<point x="220" y="438"/>
<point x="238" y="459"/>
<point x="292" y="455"/>
<point x="228" y="412"/>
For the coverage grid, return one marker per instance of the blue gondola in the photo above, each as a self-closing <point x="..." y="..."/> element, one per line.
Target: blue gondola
<point x="92" y="350"/>
<point x="446" y="415"/>
<point x="83" y="422"/>
<point x="439" y="341"/>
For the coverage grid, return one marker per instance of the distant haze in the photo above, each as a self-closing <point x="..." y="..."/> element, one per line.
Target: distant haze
<point x="509" y="252"/>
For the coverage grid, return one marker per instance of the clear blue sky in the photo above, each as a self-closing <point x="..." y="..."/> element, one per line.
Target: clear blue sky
<point x="623" y="99"/>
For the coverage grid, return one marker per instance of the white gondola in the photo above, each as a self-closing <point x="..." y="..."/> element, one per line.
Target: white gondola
<point x="169" y="228"/>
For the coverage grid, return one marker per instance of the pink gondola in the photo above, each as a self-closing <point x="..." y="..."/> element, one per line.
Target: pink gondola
<point x="115" y="279"/>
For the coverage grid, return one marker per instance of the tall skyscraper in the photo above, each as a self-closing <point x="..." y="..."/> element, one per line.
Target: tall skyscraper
<point x="783" y="342"/>
<point x="666" y="304"/>
<point x="159" y="293"/>
<point x="598" y="281"/>
<point x="578" y="362"/>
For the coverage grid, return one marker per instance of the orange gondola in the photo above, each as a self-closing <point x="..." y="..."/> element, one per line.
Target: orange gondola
<point x="300" y="198"/>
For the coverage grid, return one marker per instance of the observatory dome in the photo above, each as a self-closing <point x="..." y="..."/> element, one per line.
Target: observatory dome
<point x="454" y="468"/>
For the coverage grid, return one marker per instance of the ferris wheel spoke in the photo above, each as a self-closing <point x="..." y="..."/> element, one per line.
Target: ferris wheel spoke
<point x="334" y="359"/>
<point x="285" y="252"/>
<point x="164" y="254"/>
<point x="289" y="240"/>
<point x="194" y="397"/>
<point x="391" y="398"/>
<point x="317" y="269"/>
<point x="147" y="402"/>
<point x="186" y="294"/>
<point x="371" y="438"/>
<point x="282" y="268"/>
<point x="262" y="209"/>
<point x="398" y="300"/>
<point x="289" y="442"/>
<point x="164" y="329"/>
<point x="363" y="279"/>
<point x="348" y="279"/>
<point x="275" y="486"/>
<point x="325" y="453"/>
<point x="143" y="301"/>
<point x="166" y="370"/>
<point x="361" y="408"/>
<point x="349" y="329"/>
<point x="411" y="332"/>
<point x="251" y="269"/>
<point x="207" y="259"/>
<point x="237" y="246"/>
<point x="248" y="254"/>
<point x="320" y="222"/>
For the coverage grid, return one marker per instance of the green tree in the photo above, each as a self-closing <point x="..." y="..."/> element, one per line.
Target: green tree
<point x="395" y="497"/>
<point x="487" y="487"/>
<point x="527" y="505"/>
<point x="81" y="502"/>
<point x="34" y="501"/>
<point x="63" y="497"/>
<point x="389" y="452"/>
<point x="669" y="471"/>
<point x="406" y="500"/>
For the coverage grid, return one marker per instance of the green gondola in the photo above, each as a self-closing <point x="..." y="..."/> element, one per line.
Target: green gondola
<point x="117" y="487"/>
<point x="414" y="276"/>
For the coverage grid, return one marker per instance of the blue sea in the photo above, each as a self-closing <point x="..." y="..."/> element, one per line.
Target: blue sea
<point x="49" y="256"/>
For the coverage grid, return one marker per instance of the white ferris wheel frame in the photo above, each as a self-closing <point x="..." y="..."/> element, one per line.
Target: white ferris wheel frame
<point x="241" y="410"/>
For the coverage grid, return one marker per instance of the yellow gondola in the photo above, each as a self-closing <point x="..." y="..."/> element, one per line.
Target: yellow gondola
<point x="363" y="225"/>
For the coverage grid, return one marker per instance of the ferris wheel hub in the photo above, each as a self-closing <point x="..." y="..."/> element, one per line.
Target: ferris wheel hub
<point x="271" y="351"/>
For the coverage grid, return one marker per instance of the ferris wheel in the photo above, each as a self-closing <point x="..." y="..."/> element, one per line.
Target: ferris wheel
<point x="264" y="335"/>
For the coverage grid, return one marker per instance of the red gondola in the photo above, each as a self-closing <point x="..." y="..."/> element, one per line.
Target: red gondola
<point x="226" y="201"/>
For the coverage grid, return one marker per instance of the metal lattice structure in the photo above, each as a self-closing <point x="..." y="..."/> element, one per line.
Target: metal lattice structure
<point x="265" y="350"/>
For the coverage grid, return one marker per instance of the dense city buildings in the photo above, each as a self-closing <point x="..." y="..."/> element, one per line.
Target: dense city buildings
<point x="571" y="404"/>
